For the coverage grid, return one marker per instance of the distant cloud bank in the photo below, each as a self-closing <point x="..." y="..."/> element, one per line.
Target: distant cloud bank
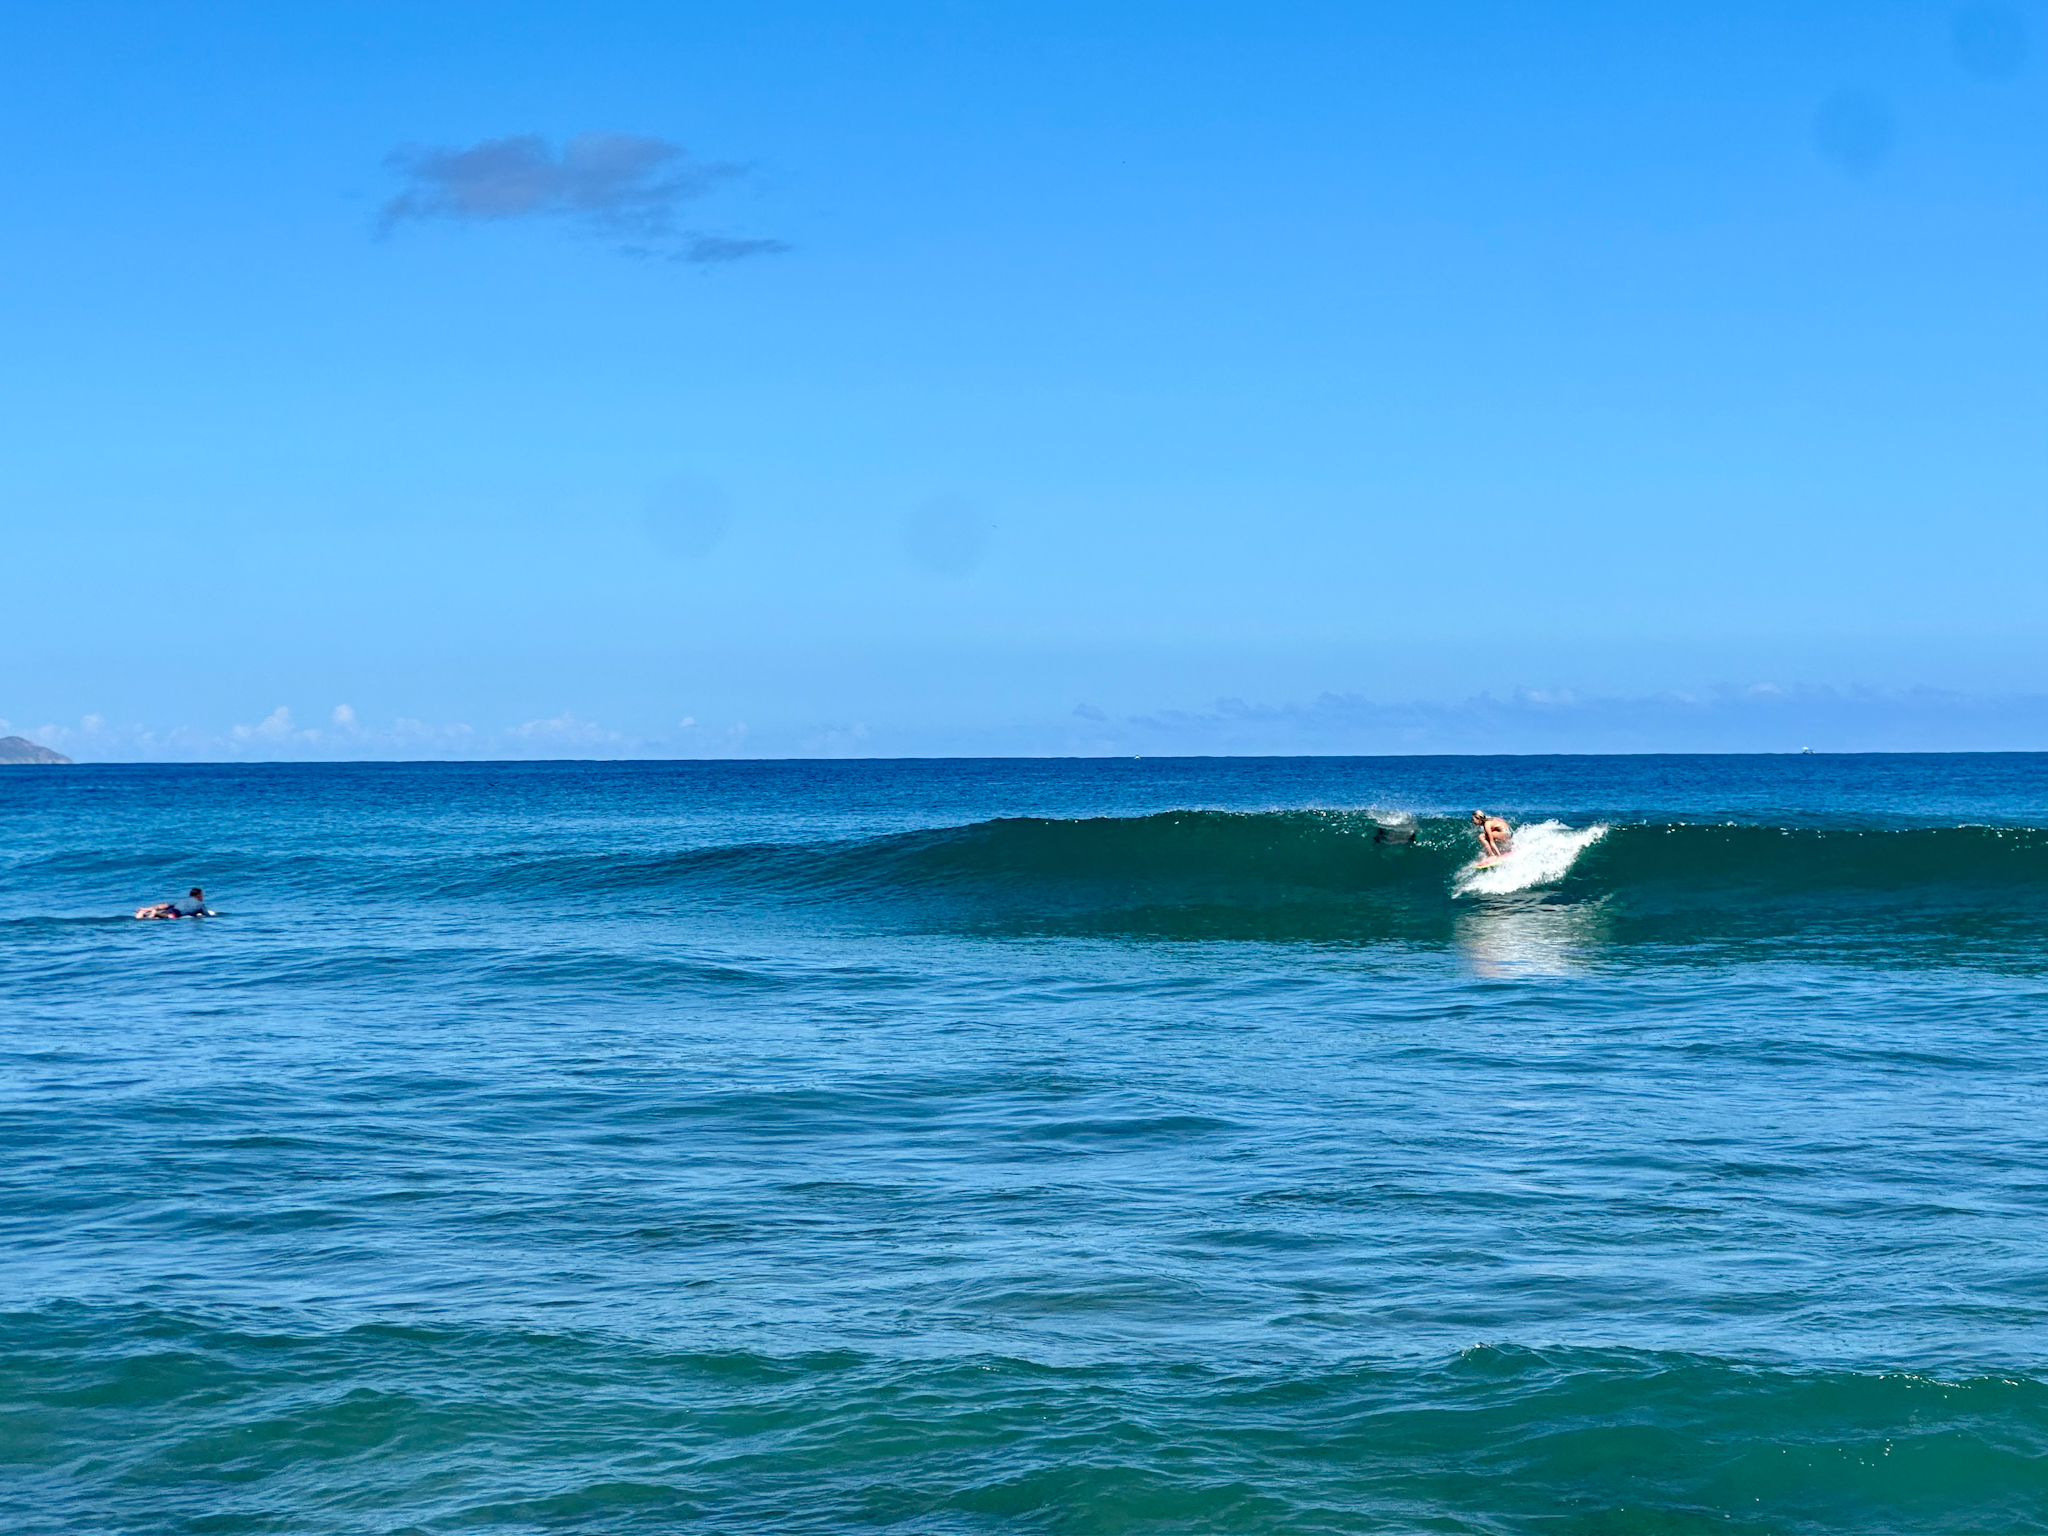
<point x="625" y="187"/>
<point x="1757" y="718"/>
<point x="1761" y="717"/>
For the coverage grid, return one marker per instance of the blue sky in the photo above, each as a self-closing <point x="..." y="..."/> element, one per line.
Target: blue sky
<point x="1065" y="377"/>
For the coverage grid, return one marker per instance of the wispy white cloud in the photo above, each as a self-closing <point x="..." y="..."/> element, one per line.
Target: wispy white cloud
<point x="275" y="726"/>
<point x="566" y="730"/>
<point x="349" y="736"/>
<point x="1766" y="716"/>
<point x="850" y="740"/>
<point x="277" y="736"/>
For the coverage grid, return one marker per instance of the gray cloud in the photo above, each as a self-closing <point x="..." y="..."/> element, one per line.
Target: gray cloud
<point x="623" y="186"/>
<point x="710" y="248"/>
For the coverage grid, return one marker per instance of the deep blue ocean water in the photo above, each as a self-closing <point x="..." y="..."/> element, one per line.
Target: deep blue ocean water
<point x="1027" y="1146"/>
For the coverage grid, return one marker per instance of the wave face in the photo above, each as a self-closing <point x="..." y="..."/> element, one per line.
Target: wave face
<point x="1301" y="874"/>
<point x="1206" y="851"/>
<point x="1316" y="874"/>
<point x="1000" y="1147"/>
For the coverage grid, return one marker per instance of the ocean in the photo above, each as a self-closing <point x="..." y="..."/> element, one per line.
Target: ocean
<point x="1035" y="1146"/>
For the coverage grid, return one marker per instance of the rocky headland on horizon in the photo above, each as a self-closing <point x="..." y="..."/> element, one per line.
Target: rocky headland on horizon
<point x="19" y="749"/>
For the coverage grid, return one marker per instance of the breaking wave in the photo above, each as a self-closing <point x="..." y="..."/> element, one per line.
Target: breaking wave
<point x="1314" y="874"/>
<point x="1348" y="851"/>
<point x="1542" y="854"/>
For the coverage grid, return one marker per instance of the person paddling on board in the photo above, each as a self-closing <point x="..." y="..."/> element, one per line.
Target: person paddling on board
<point x="193" y="905"/>
<point x="1495" y="835"/>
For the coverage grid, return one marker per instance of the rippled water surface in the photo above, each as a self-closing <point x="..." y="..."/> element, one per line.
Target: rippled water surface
<point x="1027" y="1146"/>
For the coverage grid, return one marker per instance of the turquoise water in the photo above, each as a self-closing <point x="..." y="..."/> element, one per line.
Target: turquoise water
<point x="1026" y="1146"/>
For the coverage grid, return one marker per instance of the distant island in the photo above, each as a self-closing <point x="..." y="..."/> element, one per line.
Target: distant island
<point x="19" y="749"/>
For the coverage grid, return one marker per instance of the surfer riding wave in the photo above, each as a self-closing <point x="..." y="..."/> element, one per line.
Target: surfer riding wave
<point x="1496" y="837"/>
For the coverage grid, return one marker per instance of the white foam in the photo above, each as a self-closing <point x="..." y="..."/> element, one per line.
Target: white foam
<point x="1539" y="855"/>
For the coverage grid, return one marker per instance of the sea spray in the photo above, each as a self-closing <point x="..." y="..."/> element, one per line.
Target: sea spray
<point x="1542" y="854"/>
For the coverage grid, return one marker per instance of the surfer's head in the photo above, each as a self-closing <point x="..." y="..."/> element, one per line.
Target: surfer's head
<point x="195" y="891"/>
<point x="1479" y="818"/>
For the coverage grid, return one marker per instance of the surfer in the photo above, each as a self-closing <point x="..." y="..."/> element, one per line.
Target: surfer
<point x="193" y="905"/>
<point x="1495" y="835"/>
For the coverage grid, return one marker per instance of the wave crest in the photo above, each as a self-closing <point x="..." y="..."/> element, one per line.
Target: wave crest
<point x="1542" y="854"/>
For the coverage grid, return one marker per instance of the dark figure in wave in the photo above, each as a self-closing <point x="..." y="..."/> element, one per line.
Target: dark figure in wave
<point x="193" y="905"/>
